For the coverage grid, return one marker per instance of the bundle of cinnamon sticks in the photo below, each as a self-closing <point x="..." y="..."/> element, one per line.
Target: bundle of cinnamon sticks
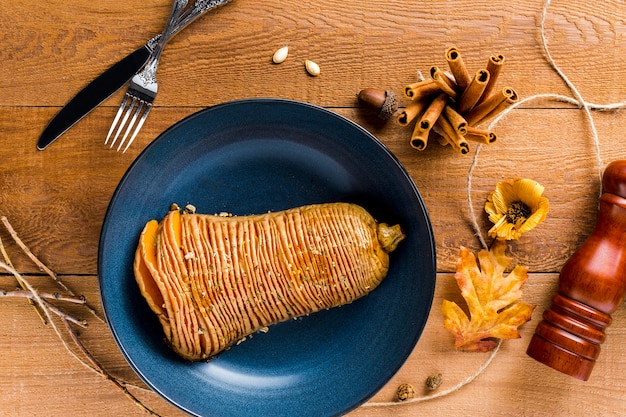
<point x="451" y="106"/>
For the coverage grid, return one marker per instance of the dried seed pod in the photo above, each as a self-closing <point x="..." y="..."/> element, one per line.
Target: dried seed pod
<point x="280" y="55"/>
<point x="405" y="392"/>
<point x="384" y="101"/>
<point x="433" y="382"/>
<point x="312" y="68"/>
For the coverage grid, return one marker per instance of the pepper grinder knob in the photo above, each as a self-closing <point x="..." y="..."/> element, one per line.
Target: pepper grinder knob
<point x="591" y="287"/>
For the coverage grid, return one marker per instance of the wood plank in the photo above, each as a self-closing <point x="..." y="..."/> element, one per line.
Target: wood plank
<point x="375" y="43"/>
<point x="38" y="374"/>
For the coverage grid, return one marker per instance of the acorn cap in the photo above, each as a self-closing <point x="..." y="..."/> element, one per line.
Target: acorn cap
<point x="390" y="106"/>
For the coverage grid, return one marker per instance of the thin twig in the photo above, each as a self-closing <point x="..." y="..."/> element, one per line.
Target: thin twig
<point x="34" y="295"/>
<point x="91" y="363"/>
<point x="32" y="257"/>
<point x="5" y="255"/>
<point x="41" y="265"/>
<point x="63" y="315"/>
<point x="100" y="369"/>
<point x="45" y="295"/>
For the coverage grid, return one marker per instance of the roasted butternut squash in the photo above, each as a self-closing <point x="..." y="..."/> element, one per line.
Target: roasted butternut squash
<point x="212" y="280"/>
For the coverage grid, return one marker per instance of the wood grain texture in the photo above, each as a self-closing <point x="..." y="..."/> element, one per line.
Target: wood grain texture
<point x="57" y="199"/>
<point x="380" y="43"/>
<point x="40" y="378"/>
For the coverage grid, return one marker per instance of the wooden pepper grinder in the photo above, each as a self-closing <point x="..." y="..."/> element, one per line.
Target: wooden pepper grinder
<point x="591" y="287"/>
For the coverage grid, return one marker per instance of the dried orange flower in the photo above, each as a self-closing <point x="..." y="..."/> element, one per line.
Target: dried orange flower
<point x="515" y="207"/>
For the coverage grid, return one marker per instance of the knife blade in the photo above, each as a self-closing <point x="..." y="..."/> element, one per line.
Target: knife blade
<point x="93" y="95"/>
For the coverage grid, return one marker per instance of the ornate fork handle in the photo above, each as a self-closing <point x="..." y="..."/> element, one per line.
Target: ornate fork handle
<point x="192" y="13"/>
<point x="198" y="9"/>
<point x="148" y="73"/>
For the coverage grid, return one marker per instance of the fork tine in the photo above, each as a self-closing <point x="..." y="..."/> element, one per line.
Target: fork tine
<point x="139" y="125"/>
<point x="131" y="124"/>
<point x="143" y="85"/>
<point x="124" y="119"/>
<point x="117" y="118"/>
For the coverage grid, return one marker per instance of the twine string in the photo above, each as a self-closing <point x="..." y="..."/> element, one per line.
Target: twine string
<point x="448" y="391"/>
<point x="577" y="101"/>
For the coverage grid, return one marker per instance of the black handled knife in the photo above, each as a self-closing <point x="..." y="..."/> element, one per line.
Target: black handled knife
<point x="93" y="94"/>
<point x="115" y="77"/>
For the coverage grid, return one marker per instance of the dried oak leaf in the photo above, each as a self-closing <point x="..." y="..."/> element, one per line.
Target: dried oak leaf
<point x="492" y="299"/>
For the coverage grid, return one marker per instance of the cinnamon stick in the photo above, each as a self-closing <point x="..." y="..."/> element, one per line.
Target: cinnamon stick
<point x="454" y="138"/>
<point x="494" y="67"/>
<point x="480" y="112"/>
<point x="421" y="89"/>
<point x="433" y="111"/>
<point x="480" y="135"/>
<point x="514" y="98"/>
<point x="442" y="140"/>
<point x="411" y="111"/>
<point x="419" y="138"/>
<point x="457" y="67"/>
<point x="473" y="92"/>
<point x="456" y="120"/>
<point x="447" y="85"/>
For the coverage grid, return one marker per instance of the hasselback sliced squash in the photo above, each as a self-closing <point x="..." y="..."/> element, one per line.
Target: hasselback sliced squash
<point x="212" y="280"/>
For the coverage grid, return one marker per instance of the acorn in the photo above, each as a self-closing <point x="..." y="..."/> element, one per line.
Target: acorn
<point x="384" y="101"/>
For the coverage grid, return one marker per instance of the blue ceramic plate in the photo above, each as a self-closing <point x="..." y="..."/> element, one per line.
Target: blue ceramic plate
<point x="255" y="156"/>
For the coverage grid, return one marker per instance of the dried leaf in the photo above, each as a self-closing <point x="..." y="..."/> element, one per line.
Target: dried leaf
<point x="495" y="311"/>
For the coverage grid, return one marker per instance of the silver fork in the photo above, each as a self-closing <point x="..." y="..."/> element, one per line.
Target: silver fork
<point x="143" y="86"/>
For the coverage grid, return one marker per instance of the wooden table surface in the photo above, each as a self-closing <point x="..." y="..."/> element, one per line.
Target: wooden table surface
<point x="56" y="199"/>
